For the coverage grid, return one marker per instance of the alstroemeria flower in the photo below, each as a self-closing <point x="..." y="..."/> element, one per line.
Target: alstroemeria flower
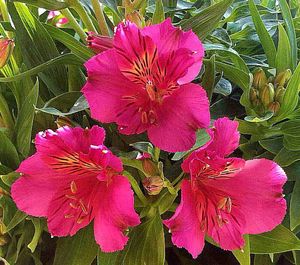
<point x="73" y="179"/>
<point x="226" y="197"/>
<point x="142" y="84"/>
<point x="58" y="19"/>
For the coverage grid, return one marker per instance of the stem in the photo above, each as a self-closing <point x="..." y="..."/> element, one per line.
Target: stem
<point x="175" y="181"/>
<point x="100" y="17"/>
<point x="74" y="24"/>
<point x="156" y="153"/>
<point x="136" y="188"/>
<point x="5" y="15"/>
<point x="5" y="114"/>
<point x="83" y="15"/>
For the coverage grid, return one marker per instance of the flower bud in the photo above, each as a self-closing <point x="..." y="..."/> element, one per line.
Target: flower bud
<point x="267" y="94"/>
<point x="274" y="106"/>
<point x="153" y="185"/>
<point x="282" y="78"/>
<point x="279" y="94"/>
<point x="149" y="167"/>
<point x="99" y="43"/>
<point x="6" y="48"/>
<point x="254" y="97"/>
<point x="259" y="78"/>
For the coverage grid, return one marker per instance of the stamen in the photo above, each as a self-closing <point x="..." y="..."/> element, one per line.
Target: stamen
<point x="219" y="220"/>
<point x="68" y="216"/>
<point x="73" y="205"/>
<point x="72" y="197"/>
<point x="144" y="117"/>
<point x="73" y="187"/>
<point x="228" y="205"/>
<point x="83" y="207"/>
<point x="80" y="220"/>
<point x="150" y="90"/>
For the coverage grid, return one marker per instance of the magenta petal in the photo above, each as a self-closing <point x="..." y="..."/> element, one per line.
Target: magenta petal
<point x="225" y="137"/>
<point x="169" y="38"/>
<point x="179" y="117"/>
<point x="33" y="196"/>
<point x="259" y="195"/>
<point x="107" y="88"/>
<point x="115" y="214"/>
<point x="185" y="225"/>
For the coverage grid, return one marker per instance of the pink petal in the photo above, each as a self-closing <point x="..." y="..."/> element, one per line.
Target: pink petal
<point x="179" y="117"/>
<point x="185" y="224"/>
<point x="225" y="137"/>
<point x="168" y="38"/>
<point x="111" y="96"/>
<point x="115" y="214"/>
<point x="71" y="210"/>
<point x="258" y="191"/>
<point x="33" y="196"/>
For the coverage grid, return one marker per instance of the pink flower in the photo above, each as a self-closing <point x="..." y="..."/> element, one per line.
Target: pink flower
<point x="226" y="198"/>
<point x="58" y="19"/>
<point x="142" y="84"/>
<point x="99" y="43"/>
<point x="72" y="179"/>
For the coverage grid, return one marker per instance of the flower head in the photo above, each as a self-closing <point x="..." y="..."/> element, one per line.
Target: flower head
<point x="73" y="179"/>
<point x="142" y="84"/>
<point x="226" y="197"/>
<point x="57" y="18"/>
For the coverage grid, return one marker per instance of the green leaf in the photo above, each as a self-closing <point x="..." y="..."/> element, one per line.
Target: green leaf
<point x="291" y="98"/>
<point x="80" y="249"/>
<point x="234" y="74"/>
<point x="287" y="17"/>
<point x="291" y="143"/>
<point x="207" y="19"/>
<point x="284" y="55"/>
<point x="18" y="218"/>
<point x="47" y="4"/>
<point x="264" y="36"/>
<point x="70" y="42"/>
<point x="255" y="119"/>
<point x="243" y="257"/>
<point x="107" y="258"/>
<point x="146" y="244"/>
<point x="293" y="171"/>
<point x="208" y="79"/>
<point x="202" y="138"/>
<point x="262" y="260"/>
<point x="25" y="121"/>
<point x="291" y="128"/>
<point x="8" y="152"/>
<point x="38" y="229"/>
<point x="286" y="157"/>
<point x="273" y="145"/>
<point x="278" y="240"/>
<point x="158" y="15"/>
<point x="80" y="105"/>
<point x="37" y="46"/>
<point x="62" y="59"/>
<point x="295" y="206"/>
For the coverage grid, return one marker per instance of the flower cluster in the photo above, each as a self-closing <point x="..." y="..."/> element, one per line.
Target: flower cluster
<point x="141" y="80"/>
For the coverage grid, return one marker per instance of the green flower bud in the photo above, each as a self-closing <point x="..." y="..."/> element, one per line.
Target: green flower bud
<point x="282" y="78"/>
<point x="259" y="78"/>
<point x="153" y="185"/>
<point x="267" y="95"/>
<point x="254" y="97"/>
<point x="279" y="94"/>
<point x="274" y="106"/>
<point x="6" y="48"/>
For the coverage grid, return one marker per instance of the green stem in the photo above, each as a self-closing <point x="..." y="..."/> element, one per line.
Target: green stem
<point x="100" y="17"/>
<point x="74" y="24"/>
<point x="76" y="5"/>
<point x="5" y="15"/>
<point x="136" y="188"/>
<point x="175" y="181"/>
<point x="5" y="114"/>
<point x="156" y="153"/>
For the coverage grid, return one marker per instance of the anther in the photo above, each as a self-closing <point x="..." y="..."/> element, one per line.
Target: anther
<point x="80" y="220"/>
<point x="68" y="216"/>
<point x="73" y="187"/>
<point x="82" y="206"/>
<point x="73" y="205"/>
<point x="144" y="117"/>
